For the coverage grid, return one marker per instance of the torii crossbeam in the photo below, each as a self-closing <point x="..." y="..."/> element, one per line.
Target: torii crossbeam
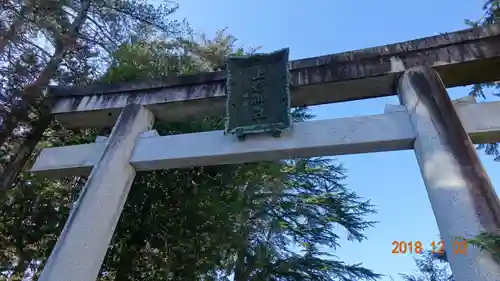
<point x="440" y="133"/>
<point x="362" y="134"/>
<point x="461" y="58"/>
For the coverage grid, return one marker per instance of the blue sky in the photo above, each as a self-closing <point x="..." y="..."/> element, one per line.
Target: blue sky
<point x="391" y="180"/>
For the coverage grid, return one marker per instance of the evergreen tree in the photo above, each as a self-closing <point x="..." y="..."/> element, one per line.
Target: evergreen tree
<point x="487" y="241"/>
<point x="431" y="267"/>
<point x="60" y="42"/>
<point x="232" y="220"/>
<point x="491" y="15"/>
<point x="204" y="223"/>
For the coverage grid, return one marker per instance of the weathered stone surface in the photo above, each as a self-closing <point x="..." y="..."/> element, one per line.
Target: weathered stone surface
<point x="461" y="194"/>
<point x="359" y="134"/>
<point x="82" y="245"/>
<point x="461" y="58"/>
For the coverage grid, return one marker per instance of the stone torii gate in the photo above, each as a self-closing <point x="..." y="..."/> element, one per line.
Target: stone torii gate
<point x="441" y="133"/>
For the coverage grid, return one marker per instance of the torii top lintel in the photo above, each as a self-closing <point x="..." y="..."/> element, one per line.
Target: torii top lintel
<point x="462" y="58"/>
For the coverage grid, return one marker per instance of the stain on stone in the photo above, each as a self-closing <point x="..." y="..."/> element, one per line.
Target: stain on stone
<point x="190" y="91"/>
<point x="133" y="97"/>
<point x="107" y="99"/>
<point x="75" y="101"/>
<point x="88" y="100"/>
<point x="352" y="58"/>
<point x="208" y="90"/>
<point x="433" y="94"/>
<point x="128" y="115"/>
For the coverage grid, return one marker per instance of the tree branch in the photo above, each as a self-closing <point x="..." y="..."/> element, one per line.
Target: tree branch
<point x="33" y="91"/>
<point x="14" y="28"/>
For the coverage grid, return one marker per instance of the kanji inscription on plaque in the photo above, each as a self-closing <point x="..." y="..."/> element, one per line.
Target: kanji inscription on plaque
<point x="258" y="94"/>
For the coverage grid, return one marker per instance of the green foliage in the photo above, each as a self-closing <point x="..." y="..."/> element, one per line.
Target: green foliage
<point x="212" y="222"/>
<point x="430" y="268"/>
<point x="487" y="242"/>
<point x="491" y="10"/>
<point x="66" y="43"/>
<point x="260" y="221"/>
<point x="491" y="15"/>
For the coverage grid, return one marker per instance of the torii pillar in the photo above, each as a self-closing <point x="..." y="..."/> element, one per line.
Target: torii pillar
<point x="82" y="245"/>
<point x="461" y="194"/>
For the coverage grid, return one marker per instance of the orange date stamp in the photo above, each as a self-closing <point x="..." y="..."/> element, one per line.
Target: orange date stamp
<point x="459" y="247"/>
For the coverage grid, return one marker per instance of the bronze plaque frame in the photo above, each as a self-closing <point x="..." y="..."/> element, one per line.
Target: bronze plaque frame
<point x="258" y="94"/>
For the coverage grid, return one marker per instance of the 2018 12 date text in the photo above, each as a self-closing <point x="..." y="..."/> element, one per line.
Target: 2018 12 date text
<point x="435" y="247"/>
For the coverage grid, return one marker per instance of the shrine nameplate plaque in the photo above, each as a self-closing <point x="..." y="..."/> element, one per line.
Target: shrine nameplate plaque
<point x="258" y="94"/>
